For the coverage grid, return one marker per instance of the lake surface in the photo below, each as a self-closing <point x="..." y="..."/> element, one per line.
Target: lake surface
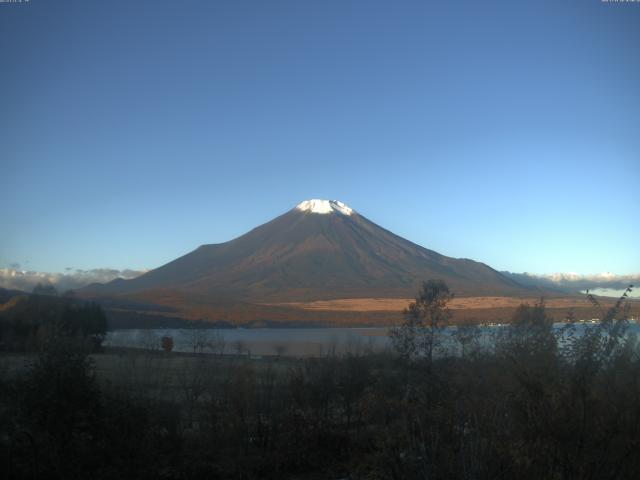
<point x="256" y="341"/>
<point x="285" y="341"/>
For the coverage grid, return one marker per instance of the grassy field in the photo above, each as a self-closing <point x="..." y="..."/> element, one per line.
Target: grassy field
<point x="528" y="408"/>
<point x="380" y="311"/>
<point x="464" y="309"/>
<point x="137" y="369"/>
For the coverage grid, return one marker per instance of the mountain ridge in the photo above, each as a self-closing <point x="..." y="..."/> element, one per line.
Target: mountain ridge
<point x="305" y="254"/>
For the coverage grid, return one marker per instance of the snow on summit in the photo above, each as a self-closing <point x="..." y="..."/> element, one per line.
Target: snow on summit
<point x="324" y="206"/>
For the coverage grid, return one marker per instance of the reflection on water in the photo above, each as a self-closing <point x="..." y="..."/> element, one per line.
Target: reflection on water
<point x="287" y="341"/>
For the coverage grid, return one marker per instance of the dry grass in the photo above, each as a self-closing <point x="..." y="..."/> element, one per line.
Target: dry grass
<point x="397" y="304"/>
<point x="370" y="311"/>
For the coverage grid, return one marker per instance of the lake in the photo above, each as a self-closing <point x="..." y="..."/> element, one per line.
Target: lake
<point x="282" y="341"/>
<point x="257" y="341"/>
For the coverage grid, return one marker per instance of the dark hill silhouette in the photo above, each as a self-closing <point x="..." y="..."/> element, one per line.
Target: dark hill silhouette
<point x="8" y="294"/>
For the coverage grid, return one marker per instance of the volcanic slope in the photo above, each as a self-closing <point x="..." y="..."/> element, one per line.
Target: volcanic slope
<point x="321" y="249"/>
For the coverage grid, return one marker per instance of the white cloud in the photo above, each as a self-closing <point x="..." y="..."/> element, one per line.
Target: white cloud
<point x="596" y="278"/>
<point x="13" y="278"/>
<point x="575" y="282"/>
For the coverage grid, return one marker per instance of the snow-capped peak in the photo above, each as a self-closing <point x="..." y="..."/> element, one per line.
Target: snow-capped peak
<point x="324" y="206"/>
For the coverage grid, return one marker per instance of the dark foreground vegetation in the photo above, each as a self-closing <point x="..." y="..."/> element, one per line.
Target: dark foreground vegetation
<point x="528" y="407"/>
<point x="30" y="322"/>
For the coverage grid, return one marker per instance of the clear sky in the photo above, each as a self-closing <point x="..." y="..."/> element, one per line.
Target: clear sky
<point x="504" y="131"/>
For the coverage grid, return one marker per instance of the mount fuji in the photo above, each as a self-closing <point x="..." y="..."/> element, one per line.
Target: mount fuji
<point x="319" y="250"/>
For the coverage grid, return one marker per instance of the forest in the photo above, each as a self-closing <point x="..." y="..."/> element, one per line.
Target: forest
<point x="537" y="404"/>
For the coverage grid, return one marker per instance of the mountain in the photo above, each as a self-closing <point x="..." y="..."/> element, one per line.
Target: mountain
<point x="321" y="249"/>
<point x="7" y="294"/>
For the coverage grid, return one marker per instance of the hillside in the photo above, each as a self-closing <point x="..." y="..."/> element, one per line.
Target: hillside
<point x="320" y="250"/>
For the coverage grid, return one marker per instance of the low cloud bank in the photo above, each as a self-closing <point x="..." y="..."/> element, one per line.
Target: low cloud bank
<point x="575" y="282"/>
<point x="15" y="279"/>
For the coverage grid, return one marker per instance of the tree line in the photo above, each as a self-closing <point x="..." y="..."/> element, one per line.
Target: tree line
<point x="537" y="404"/>
<point x="29" y="322"/>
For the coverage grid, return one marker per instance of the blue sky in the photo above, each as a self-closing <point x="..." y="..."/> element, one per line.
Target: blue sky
<point x="133" y="131"/>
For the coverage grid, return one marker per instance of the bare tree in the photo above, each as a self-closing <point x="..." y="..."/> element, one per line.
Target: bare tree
<point x="149" y="340"/>
<point x="280" y="349"/>
<point x="240" y="346"/>
<point x="197" y="339"/>
<point x="192" y="376"/>
<point x="467" y="335"/>
<point x="353" y="345"/>
<point x="217" y="343"/>
<point x="424" y="320"/>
